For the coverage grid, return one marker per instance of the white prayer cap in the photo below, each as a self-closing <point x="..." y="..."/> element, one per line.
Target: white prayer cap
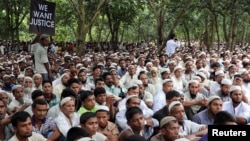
<point x="213" y="97"/>
<point x="16" y="86"/>
<point x="37" y="75"/>
<point x="28" y="78"/>
<point x="149" y="63"/>
<point x="201" y="74"/>
<point x="166" y="80"/>
<point x="85" y="139"/>
<point x="165" y="70"/>
<point x="79" y="65"/>
<point x="6" y="76"/>
<point x="182" y="139"/>
<point x="100" y="64"/>
<point x="65" y="100"/>
<point x="193" y="81"/>
<point x="133" y="84"/>
<point x="172" y="104"/>
<point x="102" y="108"/>
<point x="20" y="76"/>
<point x="234" y="88"/>
<point x="241" y="71"/>
<point x="43" y="36"/>
<point x="177" y="68"/>
<point x="219" y="72"/>
<point x="226" y="82"/>
<point x="166" y="120"/>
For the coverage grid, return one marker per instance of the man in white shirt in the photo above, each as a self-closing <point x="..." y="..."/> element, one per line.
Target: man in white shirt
<point x="236" y="106"/>
<point x="171" y="45"/>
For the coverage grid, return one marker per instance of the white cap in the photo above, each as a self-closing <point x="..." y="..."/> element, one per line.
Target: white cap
<point x="20" y="76"/>
<point x="6" y="76"/>
<point x="133" y="84"/>
<point x="102" y="107"/>
<point x="138" y="82"/>
<point x="178" y="67"/>
<point x="241" y="71"/>
<point x="201" y="74"/>
<point x="219" y="72"/>
<point x="226" y="82"/>
<point x="16" y="86"/>
<point x="84" y="139"/>
<point x="172" y="104"/>
<point x="234" y="88"/>
<point x="64" y="100"/>
<point x="166" y="80"/>
<point x="149" y="63"/>
<point x="165" y="70"/>
<point x="182" y="139"/>
<point x="43" y="36"/>
<point x="193" y="81"/>
<point x="213" y="97"/>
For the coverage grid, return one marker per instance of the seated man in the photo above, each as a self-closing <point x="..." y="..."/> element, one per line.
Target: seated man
<point x="88" y="102"/>
<point x="18" y="103"/>
<point x="76" y="133"/>
<point x="134" y="101"/>
<point x="236" y="106"/>
<point x="136" y="124"/>
<point x="6" y="130"/>
<point x="67" y="116"/>
<point x="89" y="123"/>
<point x="187" y="128"/>
<point x="42" y="124"/>
<point x="22" y="124"/>
<point x="106" y="127"/>
<point x="207" y="116"/>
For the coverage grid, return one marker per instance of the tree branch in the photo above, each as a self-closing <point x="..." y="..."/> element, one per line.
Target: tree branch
<point x="75" y="7"/>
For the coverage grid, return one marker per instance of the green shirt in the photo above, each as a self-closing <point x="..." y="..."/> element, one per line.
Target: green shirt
<point x="84" y="110"/>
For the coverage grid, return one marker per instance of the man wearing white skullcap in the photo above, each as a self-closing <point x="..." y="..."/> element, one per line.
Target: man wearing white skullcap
<point x="236" y="106"/>
<point x="207" y="116"/>
<point x="223" y="91"/>
<point x="193" y="100"/>
<point x="219" y="75"/>
<point x="67" y="117"/>
<point x="187" y="127"/>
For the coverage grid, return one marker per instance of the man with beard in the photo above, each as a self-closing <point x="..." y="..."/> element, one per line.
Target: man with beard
<point x="193" y="100"/>
<point x="236" y="106"/>
<point x="18" y="102"/>
<point x="38" y="79"/>
<point x="188" y="128"/>
<point x="148" y="87"/>
<point x="61" y="84"/>
<point x="219" y="76"/>
<point x="207" y="116"/>
<point x="22" y="124"/>
<point x="28" y="87"/>
<point x="109" y="84"/>
<point x="82" y="76"/>
<point x="246" y="78"/>
<point x="67" y="117"/>
<point x="223" y="92"/>
<point x="42" y="124"/>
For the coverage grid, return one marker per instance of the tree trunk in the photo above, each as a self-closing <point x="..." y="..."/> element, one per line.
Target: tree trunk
<point x="217" y="31"/>
<point x="188" y="35"/>
<point x="232" y="29"/>
<point x="224" y="23"/>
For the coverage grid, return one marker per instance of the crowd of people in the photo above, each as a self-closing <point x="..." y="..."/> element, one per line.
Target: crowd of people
<point x="132" y="94"/>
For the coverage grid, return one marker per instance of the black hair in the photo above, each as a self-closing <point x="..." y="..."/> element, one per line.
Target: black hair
<point x="171" y="94"/>
<point x="222" y="117"/>
<point x="141" y="73"/>
<point x="76" y="133"/>
<point x="73" y="80"/>
<point x="135" y="137"/>
<point x="20" y="116"/>
<point x="96" y="67"/>
<point x="36" y="93"/>
<point x="67" y="92"/>
<point x="132" y="111"/>
<point x="47" y="81"/>
<point x="105" y="75"/>
<point x="85" y="94"/>
<point x="38" y="102"/>
<point x="129" y="100"/>
<point x="86" y="116"/>
<point x="99" y="79"/>
<point x="98" y="91"/>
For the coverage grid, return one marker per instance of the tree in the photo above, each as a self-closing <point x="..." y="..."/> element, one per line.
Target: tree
<point x="83" y="24"/>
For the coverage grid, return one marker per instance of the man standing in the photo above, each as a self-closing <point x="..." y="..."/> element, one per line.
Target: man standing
<point x="171" y="45"/>
<point x="41" y="57"/>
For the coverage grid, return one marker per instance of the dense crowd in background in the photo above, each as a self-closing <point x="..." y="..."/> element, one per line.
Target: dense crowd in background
<point x="134" y="93"/>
